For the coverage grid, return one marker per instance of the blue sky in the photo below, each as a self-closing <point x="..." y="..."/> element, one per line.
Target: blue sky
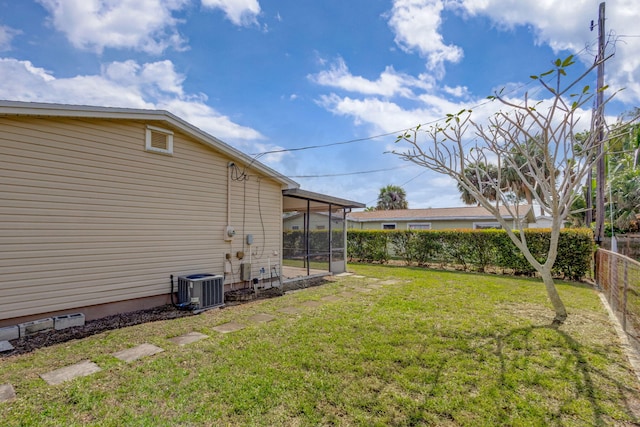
<point x="266" y="75"/>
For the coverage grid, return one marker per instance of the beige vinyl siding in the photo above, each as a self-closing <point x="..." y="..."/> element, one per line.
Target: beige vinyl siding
<point x="87" y="216"/>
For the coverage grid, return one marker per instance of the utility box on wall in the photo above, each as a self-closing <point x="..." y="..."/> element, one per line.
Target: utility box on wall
<point x="204" y="290"/>
<point x="245" y="271"/>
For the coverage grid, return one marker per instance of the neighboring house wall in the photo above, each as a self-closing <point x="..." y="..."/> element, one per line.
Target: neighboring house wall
<point x="88" y="217"/>
<point x="469" y="217"/>
<point x="543" y="222"/>
<point x="404" y="225"/>
<point x="316" y="222"/>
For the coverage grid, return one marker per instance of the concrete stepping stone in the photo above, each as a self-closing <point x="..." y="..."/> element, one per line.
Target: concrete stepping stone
<point x="311" y="304"/>
<point x="261" y="318"/>
<point x="374" y="286"/>
<point x="345" y="274"/>
<point x="347" y="294"/>
<point x="189" y="338"/>
<point x="363" y="290"/>
<point x="81" y="369"/>
<point x="331" y="298"/>
<point x="390" y="282"/>
<point x="138" y="352"/>
<point x="290" y="310"/>
<point x="5" y="346"/>
<point x="7" y="392"/>
<point x="226" y="328"/>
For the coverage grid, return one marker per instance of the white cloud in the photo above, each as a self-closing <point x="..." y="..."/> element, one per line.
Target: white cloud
<point x="382" y="116"/>
<point x="206" y="118"/>
<point x="153" y="85"/>
<point x="565" y="26"/>
<point x="6" y="37"/>
<point x="240" y="12"/>
<point x="458" y="91"/>
<point x="561" y="25"/>
<point x="416" y="24"/>
<point x="143" y="25"/>
<point x="390" y="83"/>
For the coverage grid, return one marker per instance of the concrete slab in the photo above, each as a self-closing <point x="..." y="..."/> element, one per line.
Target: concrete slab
<point x="363" y="290"/>
<point x="311" y="304"/>
<point x="390" y="282"/>
<point x="81" y="369"/>
<point x="5" y="346"/>
<point x="347" y="294"/>
<point x="345" y="274"/>
<point x="290" y="310"/>
<point x="374" y="286"/>
<point x="138" y="352"/>
<point x="226" y="328"/>
<point x="189" y="338"/>
<point x="331" y="298"/>
<point x="261" y="318"/>
<point x="7" y="392"/>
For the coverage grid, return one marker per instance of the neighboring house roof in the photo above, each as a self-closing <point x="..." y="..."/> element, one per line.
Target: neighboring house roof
<point x="17" y="108"/>
<point x="471" y="213"/>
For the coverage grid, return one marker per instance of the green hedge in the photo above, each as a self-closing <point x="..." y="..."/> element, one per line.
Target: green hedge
<point x="473" y="249"/>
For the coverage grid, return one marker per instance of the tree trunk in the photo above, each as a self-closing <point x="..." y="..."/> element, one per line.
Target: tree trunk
<point x="554" y="297"/>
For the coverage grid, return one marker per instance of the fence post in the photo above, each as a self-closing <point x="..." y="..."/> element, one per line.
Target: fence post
<point x="625" y="285"/>
<point x="613" y="282"/>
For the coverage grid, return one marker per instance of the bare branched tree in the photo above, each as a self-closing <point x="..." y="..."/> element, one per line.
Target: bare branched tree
<point x="535" y="142"/>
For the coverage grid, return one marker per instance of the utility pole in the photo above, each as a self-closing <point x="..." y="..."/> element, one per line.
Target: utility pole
<point x="599" y="122"/>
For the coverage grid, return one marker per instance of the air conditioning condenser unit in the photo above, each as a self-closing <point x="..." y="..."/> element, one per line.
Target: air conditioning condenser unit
<point x="202" y="290"/>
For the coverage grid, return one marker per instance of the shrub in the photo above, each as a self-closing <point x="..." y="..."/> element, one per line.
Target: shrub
<point x="477" y="249"/>
<point x="368" y="246"/>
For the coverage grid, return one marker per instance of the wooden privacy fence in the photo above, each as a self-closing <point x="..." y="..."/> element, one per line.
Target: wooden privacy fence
<point x="619" y="278"/>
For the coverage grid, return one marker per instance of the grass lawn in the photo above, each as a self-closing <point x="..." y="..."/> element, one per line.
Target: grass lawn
<point x="433" y="348"/>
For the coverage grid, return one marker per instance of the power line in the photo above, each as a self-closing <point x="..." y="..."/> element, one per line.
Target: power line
<point x="396" y="132"/>
<point x="347" y="173"/>
<point x="369" y="138"/>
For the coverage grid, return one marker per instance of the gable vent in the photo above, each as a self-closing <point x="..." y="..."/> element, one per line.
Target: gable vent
<point x="159" y="140"/>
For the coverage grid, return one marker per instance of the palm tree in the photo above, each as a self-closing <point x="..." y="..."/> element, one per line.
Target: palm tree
<point x="520" y="166"/>
<point x="485" y="176"/>
<point x="482" y="176"/>
<point x="392" y="197"/>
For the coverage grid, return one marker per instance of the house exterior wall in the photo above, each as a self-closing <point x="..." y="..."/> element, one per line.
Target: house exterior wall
<point x="88" y="217"/>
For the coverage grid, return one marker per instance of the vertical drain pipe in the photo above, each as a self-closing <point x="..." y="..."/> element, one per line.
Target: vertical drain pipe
<point x="229" y="166"/>
<point x="330" y="238"/>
